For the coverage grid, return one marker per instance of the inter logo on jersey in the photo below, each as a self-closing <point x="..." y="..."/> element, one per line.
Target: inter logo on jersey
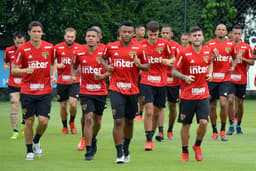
<point x="206" y="59"/>
<point x="227" y="50"/>
<point x="132" y="54"/>
<point x="45" y="54"/>
<point x="98" y="60"/>
<point x="159" y="50"/>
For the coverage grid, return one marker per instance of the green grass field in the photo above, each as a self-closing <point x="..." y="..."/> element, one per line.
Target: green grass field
<point x="60" y="151"/>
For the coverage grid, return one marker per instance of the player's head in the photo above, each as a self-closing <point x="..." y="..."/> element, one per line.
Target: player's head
<point x="18" y="39"/>
<point x="221" y="31"/>
<point x="196" y="36"/>
<point x="126" y="32"/>
<point x="92" y="37"/>
<point x="166" y="32"/>
<point x="152" y="31"/>
<point x="140" y="31"/>
<point x="35" y="31"/>
<point x="99" y="30"/>
<point x="70" y="36"/>
<point x="184" y="39"/>
<point x="237" y="33"/>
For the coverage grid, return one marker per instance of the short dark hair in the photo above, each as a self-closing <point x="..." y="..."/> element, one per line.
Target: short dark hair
<point x="194" y="29"/>
<point x="93" y="29"/>
<point x="153" y="26"/>
<point x="237" y="26"/>
<point x="18" y="34"/>
<point x="139" y="26"/>
<point x="34" y="24"/>
<point x="97" y="28"/>
<point x="185" y="34"/>
<point x="127" y="23"/>
<point x="167" y="26"/>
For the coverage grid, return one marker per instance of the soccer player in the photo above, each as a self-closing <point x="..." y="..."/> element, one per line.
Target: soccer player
<point x="67" y="91"/>
<point x="93" y="88"/>
<point x="194" y="68"/>
<point x="173" y="86"/>
<point x="220" y="84"/>
<point x="126" y="61"/>
<point x="153" y="82"/>
<point x="14" y="82"/>
<point x="33" y="61"/>
<point x="184" y="39"/>
<point x="244" y="57"/>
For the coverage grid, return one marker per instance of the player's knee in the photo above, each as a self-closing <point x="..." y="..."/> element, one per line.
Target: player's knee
<point x="84" y="107"/>
<point x="118" y="123"/>
<point x="203" y="122"/>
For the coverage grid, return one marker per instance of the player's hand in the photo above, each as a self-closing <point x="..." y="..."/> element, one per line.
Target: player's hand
<point x="6" y="67"/>
<point x="53" y="80"/>
<point x="98" y="76"/>
<point x="110" y="68"/>
<point x="60" y="66"/>
<point x="189" y="79"/>
<point x="209" y="77"/>
<point x="168" y="62"/>
<point x="29" y="70"/>
<point x="231" y="69"/>
<point x="73" y="78"/>
<point x="137" y="61"/>
<point x="216" y="53"/>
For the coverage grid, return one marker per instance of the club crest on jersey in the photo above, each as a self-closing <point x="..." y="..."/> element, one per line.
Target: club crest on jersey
<point x="98" y="60"/>
<point x="132" y="54"/>
<point x="45" y="54"/>
<point x="159" y="50"/>
<point x="206" y="59"/>
<point x="241" y="52"/>
<point x="74" y="51"/>
<point x="227" y="50"/>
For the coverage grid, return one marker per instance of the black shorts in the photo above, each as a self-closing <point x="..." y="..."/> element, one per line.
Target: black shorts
<point x="65" y="91"/>
<point x="173" y="94"/>
<point x="155" y="95"/>
<point x="36" y="105"/>
<point x="124" y="105"/>
<point x="219" y="89"/>
<point x="189" y="107"/>
<point x="92" y="103"/>
<point x="12" y="89"/>
<point x="238" y="90"/>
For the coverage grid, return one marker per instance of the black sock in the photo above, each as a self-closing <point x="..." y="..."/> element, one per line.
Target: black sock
<point x="214" y="128"/>
<point x="72" y="118"/>
<point x="93" y="138"/>
<point x="65" y="124"/>
<point x="141" y="112"/>
<point x="149" y="135"/>
<point x="119" y="150"/>
<point x="88" y="150"/>
<point x="231" y="122"/>
<point x="161" y="129"/>
<point x="170" y="129"/>
<point x="184" y="149"/>
<point x="29" y="148"/>
<point x="239" y="123"/>
<point x="198" y="142"/>
<point x="223" y="125"/>
<point x="126" y="144"/>
<point x="36" y="138"/>
<point x="15" y="130"/>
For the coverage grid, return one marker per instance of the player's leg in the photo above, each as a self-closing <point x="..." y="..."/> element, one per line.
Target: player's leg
<point x="62" y="97"/>
<point x="14" y="116"/>
<point x="231" y="99"/>
<point x="240" y="106"/>
<point x="213" y="87"/>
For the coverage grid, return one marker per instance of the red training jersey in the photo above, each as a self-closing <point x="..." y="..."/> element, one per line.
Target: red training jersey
<point x="9" y="55"/>
<point x="157" y="75"/>
<point x="64" y="54"/>
<point x="223" y="62"/>
<point x="192" y="63"/>
<point x="90" y="65"/>
<point x="135" y="41"/>
<point x="124" y="78"/>
<point x="41" y="59"/>
<point x="239" y="76"/>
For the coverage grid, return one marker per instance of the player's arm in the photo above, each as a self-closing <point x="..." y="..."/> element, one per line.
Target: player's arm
<point x="103" y="62"/>
<point x="188" y="78"/>
<point x="249" y="60"/>
<point x="53" y="72"/>
<point x="99" y="76"/>
<point x="6" y="66"/>
<point x="210" y="70"/>
<point x="169" y="62"/>
<point x="16" y="70"/>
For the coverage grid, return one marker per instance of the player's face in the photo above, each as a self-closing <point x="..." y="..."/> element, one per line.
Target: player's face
<point x="140" y="32"/>
<point x="126" y="33"/>
<point x="236" y="35"/>
<point x="221" y="31"/>
<point x="152" y="36"/>
<point x="184" y="39"/>
<point x="70" y="38"/>
<point x="197" y="38"/>
<point x="19" y="41"/>
<point x="166" y="33"/>
<point x="91" y="38"/>
<point x="35" y="33"/>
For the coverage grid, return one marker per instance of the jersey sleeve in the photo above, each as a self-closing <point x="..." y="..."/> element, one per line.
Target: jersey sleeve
<point x="169" y="51"/>
<point x="106" y="53"/>
<point x="52" y="55"/>
<point x="18" y="57"/>
<point x="75" y="60"/>
<point x="249" y="53"/>
<point x="142" y="56"/>
<point x="179" y="61"/>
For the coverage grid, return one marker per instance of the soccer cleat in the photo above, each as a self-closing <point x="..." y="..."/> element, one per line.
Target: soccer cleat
<point x="81" y="144"/>
<point x="215" y="136"/>
<point x="230" y="130"/>
<point x="160" y="137"/>
<point x="37" y="149"/>
<point x="127" y="158"/>
<point x="65" y="130"/>
<point x="223" y="136"/>
<point x="170" y="135"/>
<point x="198" y="153"/>
<point x="184" y="157"/>
<point x="239" y="130"/>
<point x="120" y="160"/>
<point x="30" y="156"/>
<point x="15" y="136"/>
<point x="88" y="155"/>
<point x="72" y="127"/>
<point x="22" y="126"/>
<point x="149" y="146"/>
<point x="138" y="118"/>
